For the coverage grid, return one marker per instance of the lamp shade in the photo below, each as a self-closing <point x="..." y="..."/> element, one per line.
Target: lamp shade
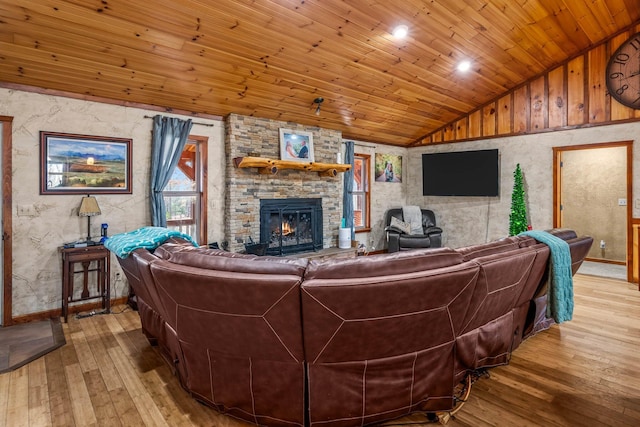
<point x="89" y="207"/>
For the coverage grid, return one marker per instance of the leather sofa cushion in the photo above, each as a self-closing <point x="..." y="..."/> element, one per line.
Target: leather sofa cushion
<point x="216" y="259"/>
<point x="416" y="241"/>
<point x="509" y="244"/>
<point x="563" y="233"/>
<point x="502" y="280"/>
<point x="490" y="248"/>
<point x="383" y="264"/>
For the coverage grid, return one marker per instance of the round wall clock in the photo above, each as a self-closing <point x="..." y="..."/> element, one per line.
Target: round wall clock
<point x="623" y="73"/>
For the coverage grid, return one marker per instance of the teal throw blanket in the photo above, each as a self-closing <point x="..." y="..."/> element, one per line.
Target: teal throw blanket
<point x="560" y="292"/>
<point x="146" y="237"/>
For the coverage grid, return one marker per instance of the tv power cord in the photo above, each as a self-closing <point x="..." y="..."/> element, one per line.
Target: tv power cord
<point x="90" y="314"/>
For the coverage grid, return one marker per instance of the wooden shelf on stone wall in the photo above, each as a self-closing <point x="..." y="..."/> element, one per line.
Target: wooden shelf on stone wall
<point x="271" y="166"/>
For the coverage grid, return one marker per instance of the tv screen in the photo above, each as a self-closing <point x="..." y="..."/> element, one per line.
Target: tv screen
<point x="461" y="173"/>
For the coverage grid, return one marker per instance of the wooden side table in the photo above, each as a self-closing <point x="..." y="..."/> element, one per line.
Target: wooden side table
<point x="101" y="257"/>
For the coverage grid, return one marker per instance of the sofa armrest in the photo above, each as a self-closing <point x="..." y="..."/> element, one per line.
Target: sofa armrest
<point x="436" y="240"/>
<point x="391" y="228"/>
<point x="432" y="230"/>
<point x="393" y="241"/>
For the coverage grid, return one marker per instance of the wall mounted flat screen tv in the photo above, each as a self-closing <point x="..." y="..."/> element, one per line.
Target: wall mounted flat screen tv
<point x="461" y="173"/>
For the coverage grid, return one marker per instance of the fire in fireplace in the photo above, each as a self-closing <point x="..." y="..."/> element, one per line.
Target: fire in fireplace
<point x="291" y="225"/>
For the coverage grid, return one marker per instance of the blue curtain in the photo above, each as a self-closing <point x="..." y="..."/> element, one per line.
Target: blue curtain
<point x="169" y="138"/>
<point x="347" y="196"/>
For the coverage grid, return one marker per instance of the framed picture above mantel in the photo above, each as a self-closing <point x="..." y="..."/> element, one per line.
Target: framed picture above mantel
<point x="296" y="145"/>
<point x="82" y="164"/>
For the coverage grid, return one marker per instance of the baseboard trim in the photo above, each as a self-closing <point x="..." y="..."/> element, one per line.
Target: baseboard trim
<point x="49" y="314"/>
<point x="605" y="261"/>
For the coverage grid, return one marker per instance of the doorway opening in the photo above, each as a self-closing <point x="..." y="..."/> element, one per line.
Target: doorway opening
<point x="593" y="195"/>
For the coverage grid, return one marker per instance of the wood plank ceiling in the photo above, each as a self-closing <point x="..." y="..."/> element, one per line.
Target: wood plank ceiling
<point x="272" y="58"/>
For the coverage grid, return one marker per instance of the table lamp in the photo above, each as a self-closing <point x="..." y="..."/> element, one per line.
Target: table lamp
<point x="89" y="207"/>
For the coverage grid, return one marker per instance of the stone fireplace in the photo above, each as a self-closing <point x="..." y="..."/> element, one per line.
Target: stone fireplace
<point x="246" y="188"/>
<point x="291" y="225"/>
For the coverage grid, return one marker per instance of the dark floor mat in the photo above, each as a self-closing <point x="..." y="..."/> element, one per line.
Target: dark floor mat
<point x="20" y="344"/>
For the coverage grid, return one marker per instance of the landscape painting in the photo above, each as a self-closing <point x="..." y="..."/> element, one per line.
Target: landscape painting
<point x="81" y="164"/>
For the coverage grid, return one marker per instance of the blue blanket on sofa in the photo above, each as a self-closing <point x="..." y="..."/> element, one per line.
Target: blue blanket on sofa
<point x="560" y="292"/>
<point x="146" y="237"/>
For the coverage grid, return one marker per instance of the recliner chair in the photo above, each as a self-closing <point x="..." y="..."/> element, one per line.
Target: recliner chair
<point x="399" y="241"/>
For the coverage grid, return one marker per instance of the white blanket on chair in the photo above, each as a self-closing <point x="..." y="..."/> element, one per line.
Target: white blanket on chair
<point x="413" y="215"/>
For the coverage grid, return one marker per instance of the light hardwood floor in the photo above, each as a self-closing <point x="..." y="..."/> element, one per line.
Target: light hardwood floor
<point x="583" y="372"/>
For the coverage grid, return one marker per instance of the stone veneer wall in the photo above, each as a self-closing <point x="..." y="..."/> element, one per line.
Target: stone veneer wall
<point x="245" y="187"/>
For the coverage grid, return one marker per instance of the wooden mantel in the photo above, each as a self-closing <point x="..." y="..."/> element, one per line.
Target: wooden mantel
<point x="271" y="166"/>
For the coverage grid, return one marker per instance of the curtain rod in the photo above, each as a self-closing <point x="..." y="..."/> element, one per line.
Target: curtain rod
<point x="361" y="145"/>
<point x="195" y="123"/>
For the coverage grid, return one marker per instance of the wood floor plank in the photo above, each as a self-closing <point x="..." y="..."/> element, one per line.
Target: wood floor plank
<point x="96" y="344"/>
<point x="129" y="320"/>
<point x="120" y="335"/>
<point x="68" y="353"/>
<point x="107" y="338"/>
<point x="39" y="409"/>
<point x="147" y="408"/>
<point x="142" y="360"/>
<point x="103" y="407"/>
<point x="18" y="405"/>
<point x="59" y="399"/>
<point x="164" y="400"/>
<point x="5" y="381"/>
<point x="81" y="405"/>
<point x="189" y="407"/>
<point x="85" y="356"/>
<point x="126" y="409"/>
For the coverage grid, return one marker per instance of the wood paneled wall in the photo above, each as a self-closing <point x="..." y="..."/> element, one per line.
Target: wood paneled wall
<point x="570" y="96"/>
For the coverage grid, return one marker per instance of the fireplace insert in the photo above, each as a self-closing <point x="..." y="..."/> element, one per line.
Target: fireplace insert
<point x="290" y="226"/>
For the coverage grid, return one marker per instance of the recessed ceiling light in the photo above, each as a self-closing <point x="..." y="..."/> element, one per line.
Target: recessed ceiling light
<point x="464" y="66"/>
<point x="400" y="31"/>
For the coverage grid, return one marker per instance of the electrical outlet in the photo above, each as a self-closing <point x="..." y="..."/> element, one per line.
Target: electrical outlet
<point x="603" y="245"/>
<point x="26" y="210"/>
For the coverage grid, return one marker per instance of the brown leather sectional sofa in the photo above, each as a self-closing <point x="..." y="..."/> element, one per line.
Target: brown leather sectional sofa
<point x="344" y="342"/>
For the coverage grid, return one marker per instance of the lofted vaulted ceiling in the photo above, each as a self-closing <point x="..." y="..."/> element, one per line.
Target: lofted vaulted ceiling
<point x="272" y="58"/>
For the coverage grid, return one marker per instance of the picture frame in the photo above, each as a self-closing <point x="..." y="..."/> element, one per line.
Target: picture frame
<point x="296" y="145"/>
<point x="388" y="168"/>
<point x="83" y="164"/>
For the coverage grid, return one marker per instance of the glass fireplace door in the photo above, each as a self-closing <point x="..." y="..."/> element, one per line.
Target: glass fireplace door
<point x="290" y="228"/>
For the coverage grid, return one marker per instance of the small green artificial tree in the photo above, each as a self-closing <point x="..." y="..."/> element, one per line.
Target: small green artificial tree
<point x="518" y="215"/>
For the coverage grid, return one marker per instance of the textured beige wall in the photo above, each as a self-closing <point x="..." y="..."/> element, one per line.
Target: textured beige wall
<point x="384" y="195"/>
<point x="593" y="181"/>
<point x="36" y="238"/>
<point x="469" y="220"/>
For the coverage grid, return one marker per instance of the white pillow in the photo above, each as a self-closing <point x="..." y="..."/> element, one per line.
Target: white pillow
<point x="404" y="227"/>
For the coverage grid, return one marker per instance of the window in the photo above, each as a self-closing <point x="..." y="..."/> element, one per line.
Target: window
<point x="361" y="218"/>
<point x="185" y="195"/>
